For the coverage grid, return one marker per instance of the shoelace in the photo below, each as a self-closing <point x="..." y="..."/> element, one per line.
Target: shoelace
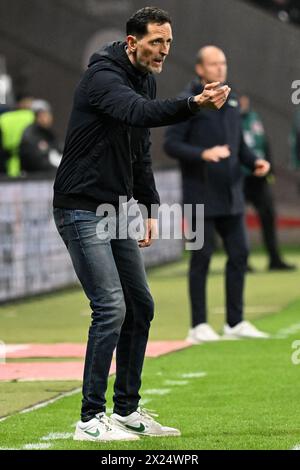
<point x="148" y="414"/>
<point x="106" y="421"/>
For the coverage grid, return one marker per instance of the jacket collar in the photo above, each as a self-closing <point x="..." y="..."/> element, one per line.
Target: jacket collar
<point x="115" y="52"/>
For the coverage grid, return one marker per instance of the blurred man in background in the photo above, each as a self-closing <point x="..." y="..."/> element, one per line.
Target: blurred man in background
<point x="12" y="126"/>
<point x="295" y="142"/>
<point x="295" y="147"/>
<point x="211" y="150"/>
<point x="39" y="150"/>
<point x="258" y="190"/>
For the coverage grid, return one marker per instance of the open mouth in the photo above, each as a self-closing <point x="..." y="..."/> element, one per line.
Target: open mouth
<point x="158" y="61"/>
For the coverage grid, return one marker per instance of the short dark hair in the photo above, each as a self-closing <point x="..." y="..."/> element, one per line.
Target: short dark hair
<point x="137" y="25"/>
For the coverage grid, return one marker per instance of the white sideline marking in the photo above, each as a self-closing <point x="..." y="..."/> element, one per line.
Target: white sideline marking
<point x="176" y="382"/>
<point x="157" y="391"/>
<point x="44" y="403"/>
<point x="11" y="348"/>
<point x="53" y="436"/>
<point x="288" y="331"/>
<point x="145" y="401"/>
<point x="52" y="400"/>
<point x="297" y="447"/>
<point x="193" y="375"/>
<point x="37" y="446"/>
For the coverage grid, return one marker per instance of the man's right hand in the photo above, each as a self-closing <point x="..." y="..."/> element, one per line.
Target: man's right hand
<point x="213" y="96"/>
<point x="215" y="154"/>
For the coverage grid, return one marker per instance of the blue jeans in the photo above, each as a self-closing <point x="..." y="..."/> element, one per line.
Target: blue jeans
<point x="112" y="274"/>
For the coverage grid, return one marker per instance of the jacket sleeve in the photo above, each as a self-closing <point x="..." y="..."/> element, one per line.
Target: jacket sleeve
<point x="144" y="188"/>
<point x="176" y="143"/>
<point x="268" y="154"/>
<point x="246" y="156"/>
<point x="109" y="93"/>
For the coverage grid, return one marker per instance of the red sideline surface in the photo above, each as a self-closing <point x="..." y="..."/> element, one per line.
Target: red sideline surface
<point x="63" y="370"/>
<point x="17" y="351"/>
<point x="43" y="371"/>
<point x="281" y="222"/>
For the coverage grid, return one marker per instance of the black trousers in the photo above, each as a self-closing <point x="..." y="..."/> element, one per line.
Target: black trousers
<point x="233" y="233"/>
<point x="259" y="194"/>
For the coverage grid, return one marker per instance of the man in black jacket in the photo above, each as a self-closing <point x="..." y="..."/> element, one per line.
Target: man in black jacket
<point x="211" y="151"/>
<point x="39" y="149"/>
<point x="107" y="156"/>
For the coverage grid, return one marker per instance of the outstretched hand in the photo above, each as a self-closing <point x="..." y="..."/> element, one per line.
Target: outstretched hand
<point x="213" y="96"/>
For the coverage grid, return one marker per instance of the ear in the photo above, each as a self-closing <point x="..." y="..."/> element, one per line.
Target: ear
<point x="198" y="69"/>
<point x="131" y="43"/>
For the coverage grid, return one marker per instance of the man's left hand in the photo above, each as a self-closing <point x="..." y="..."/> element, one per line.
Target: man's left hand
<point x="151" y="233"/>
<point x="262" y="167"/>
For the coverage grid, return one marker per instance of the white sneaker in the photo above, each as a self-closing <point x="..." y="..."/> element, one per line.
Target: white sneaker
<point x="141" y="422"/>
<point x="101" y="429"/>
<point x="201" y="334"/>
<point x="244" y="329"/>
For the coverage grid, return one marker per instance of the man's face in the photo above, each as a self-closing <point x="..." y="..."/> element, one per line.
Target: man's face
<point x="44" y="119"/>
<point x="152" y="49"/>
<point x="244" y="103"/>
<point x="25" y="103"/>
<point x="213" y="67"/>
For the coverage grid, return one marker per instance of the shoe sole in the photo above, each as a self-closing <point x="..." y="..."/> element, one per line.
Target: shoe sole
<point x="83" y="437"/>
<point x="155" y="435"/>
<point x="139" y="434"/>
<point x="161" y="435"/>
<point x="233" y="337"/>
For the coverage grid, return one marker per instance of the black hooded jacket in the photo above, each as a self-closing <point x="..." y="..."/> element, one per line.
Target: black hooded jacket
<point x="107" y="148"/>
<point x="219" y="186"/>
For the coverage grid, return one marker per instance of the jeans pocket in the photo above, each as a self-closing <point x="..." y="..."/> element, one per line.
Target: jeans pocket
<point x="59" y="218"/>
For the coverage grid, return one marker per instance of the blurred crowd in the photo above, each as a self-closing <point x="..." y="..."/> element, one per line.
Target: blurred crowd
<point x="285" y="10"/>
<point x="28" y="144"/>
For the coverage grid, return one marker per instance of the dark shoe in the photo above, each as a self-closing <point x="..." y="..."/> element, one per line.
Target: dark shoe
<point x="281" y="266"/>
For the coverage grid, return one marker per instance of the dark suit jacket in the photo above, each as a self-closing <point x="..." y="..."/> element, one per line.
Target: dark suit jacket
<point x="219" y="186"/>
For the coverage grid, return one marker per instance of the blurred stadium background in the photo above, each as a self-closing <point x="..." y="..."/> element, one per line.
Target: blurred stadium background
<point x="44" y="47"/>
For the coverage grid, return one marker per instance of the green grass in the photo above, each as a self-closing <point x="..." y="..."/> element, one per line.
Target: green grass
<point x="16" y="396"/>
<point x="65" y="316"/>
<point x="249" y="398"/>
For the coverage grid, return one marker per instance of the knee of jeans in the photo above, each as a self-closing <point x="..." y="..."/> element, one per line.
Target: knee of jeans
<point x="145" y="316"/>
<point x="150" y="307"/>
<point x="109" y="312"/>
<point x="121" y="312"/>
